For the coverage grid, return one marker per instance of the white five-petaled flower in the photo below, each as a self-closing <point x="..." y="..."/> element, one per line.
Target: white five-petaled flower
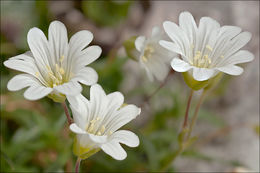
<point x="153" y="57"/>
<point x="97" y="122"/>
<point x="207" y="49"/>
<point x="54" y="67"/>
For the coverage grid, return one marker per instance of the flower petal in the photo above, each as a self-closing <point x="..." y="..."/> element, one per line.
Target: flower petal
<point x="98" y="102"/>
<point x="115" y="150"/>
<point x="115" y="100"/>
<point x="180" y="65"/>
<point x="125" y="137"/>
<point x="202" y="74"/>
<point x="88" y="55"/>
<point x="177" y="35"/>
<point x="86" y="75"/>
<point x="156" y="31"/>
<point x="23" y="63"/>
<point x="76" y="129"/>
<point x="98" y="139"/>
<point x="231" y="69"/>
<point x="241" y="56"/>
<point x="80" y="108"/>
<point x="171" y="47"/>
<point x="237" y="42"/>
<point x="58" y="41"/>
<point x="80" y="40"/>
<point x="156" y="67"/>
<point x="139" y="43"/>
<point x="122" y="117"/>
<point x="37" y="91"/>
<point x="69" y="88"/>
<point x="188" y="25"/>
<point x="207" y="31"/>
<point x="21" y="81"/>
<point x="39" y="47"/>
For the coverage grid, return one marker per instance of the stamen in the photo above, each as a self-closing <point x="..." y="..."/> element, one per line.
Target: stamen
<point x="209" y="47"/>
<point x="148" y="51"/>
<point x="102" y="129"/>
<point x="62" y="58"/>
<point x="94" y="127"/>
<point x="222" y="56"/>
<point x="37" y="74"/>
<point x="144" y="58"/>
<point x="91" y="128"/>
<point x="48" y="67"/>
<point x="62" y="71"/>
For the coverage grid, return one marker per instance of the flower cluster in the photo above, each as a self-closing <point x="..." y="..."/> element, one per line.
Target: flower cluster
<point x="56" y="68"/>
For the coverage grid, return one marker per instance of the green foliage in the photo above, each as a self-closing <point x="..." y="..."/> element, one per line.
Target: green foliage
<point x="106" y="13"/>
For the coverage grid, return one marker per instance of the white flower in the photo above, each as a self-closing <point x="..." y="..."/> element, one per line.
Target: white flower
<point x="97" y="122"/>
<point x="207" y="49"/>
<point x="54" y="67"/>
<point x="153" y="57"/>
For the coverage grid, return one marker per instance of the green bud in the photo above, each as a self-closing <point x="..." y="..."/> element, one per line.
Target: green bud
<point x="130" y="49"/>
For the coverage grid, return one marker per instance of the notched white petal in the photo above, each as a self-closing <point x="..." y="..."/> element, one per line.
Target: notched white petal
<point x="125" y="137"/>
<point x="36" y="92"/>
<point x="115" y="150"/>
<point x="231" y="69"/>
<point x="88" y="55"/>
<point x="80" y="40"/>
<point x="87" y="76"/>
<point x="21" y="81"/>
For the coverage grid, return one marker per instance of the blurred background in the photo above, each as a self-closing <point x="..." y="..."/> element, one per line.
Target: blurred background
<point x="35" y="136"/>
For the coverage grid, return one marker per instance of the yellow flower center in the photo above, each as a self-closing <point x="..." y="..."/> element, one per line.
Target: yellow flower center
<point x="95" y="127"/>
<point x="202" y="60"/>
<point x="148" y="51"/>
<point x="56" y="76"/>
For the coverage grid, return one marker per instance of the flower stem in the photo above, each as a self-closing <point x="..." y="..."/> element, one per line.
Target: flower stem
<point x="195" y="116"/>
<point x="66" y="110"/>
<point x="184" y="141"/>
<point x="147" y="100"/>
<point x="77" y="165"/>
<point x="185" y="122"/>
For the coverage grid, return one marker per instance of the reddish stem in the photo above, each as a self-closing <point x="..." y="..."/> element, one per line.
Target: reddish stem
<point x="185" y="123"/>
<point x="77" y="165"/>
<point x="66" y="110"/>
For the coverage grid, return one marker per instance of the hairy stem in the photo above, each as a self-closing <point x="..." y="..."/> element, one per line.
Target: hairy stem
<point x="195" y="116"/>
<point x="185" y="122"/>
<point x="66" y="110"/>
